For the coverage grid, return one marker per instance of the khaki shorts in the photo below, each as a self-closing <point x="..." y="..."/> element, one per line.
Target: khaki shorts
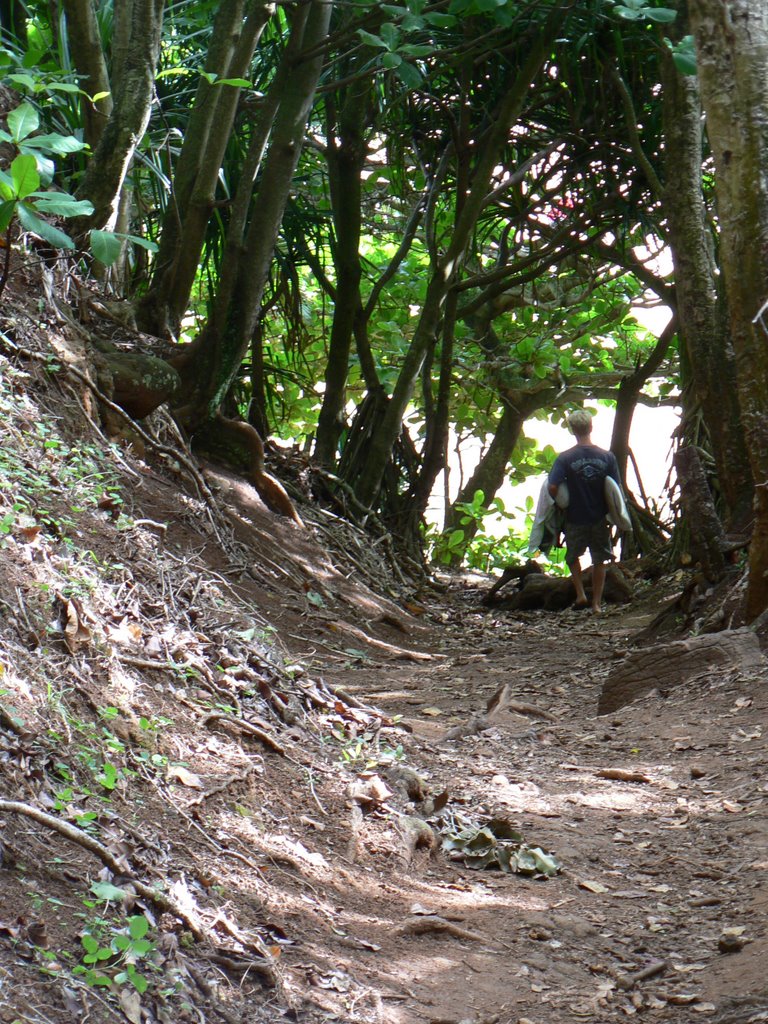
<point x="596" y="537"/>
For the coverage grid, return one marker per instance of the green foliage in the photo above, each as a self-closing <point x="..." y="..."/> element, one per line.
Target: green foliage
<point x="19" y="189"/>
<point x="113" y="954"/>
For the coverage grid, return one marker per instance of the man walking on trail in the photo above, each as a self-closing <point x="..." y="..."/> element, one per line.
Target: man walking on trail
<point x="584" y="469"/>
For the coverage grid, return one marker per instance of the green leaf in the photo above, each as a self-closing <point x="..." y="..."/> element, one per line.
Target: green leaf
<point x="660" y="14"/>
<point x="685" y="62"/>
<point x="138" y="981"/>
<point x="105" y="247"/>
<point x="22" y="121"/>
<point x="55" y="143"/>
<point x="372" y="40"/>
<point x="69" y="87"/>
<point x="90" y="945"/>
<point x="390" y="35"/>
<point x="107" y="891"/>
<point x="31" y="222"/>
<point x="409" y="75"/>
<point x="144" y="243"/>
<point x="391" y="60"/>
<point x="7" y="213"/>
<point x="24" y="174"/>
<point x="138" y="926"/>
<point x="627" y="14"/>
<point x="241" y="83"/>
<point x="62" y="204"/>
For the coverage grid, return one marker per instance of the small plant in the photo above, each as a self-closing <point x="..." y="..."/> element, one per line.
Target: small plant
<point x="20" y="192"/>
<point x="118" y="952"/>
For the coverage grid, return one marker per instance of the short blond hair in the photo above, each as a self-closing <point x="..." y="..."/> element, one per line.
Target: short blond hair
<point x="580" y="423"/>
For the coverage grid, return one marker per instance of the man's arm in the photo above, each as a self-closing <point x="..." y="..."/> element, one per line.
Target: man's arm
<point x="556" y="476"/>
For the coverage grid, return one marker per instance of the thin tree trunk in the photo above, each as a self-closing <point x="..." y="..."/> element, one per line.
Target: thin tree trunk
<point x="629" y="390"/>
<point x="133" y="84"/>
<point x="224" y="342"/>
<point x="236" y="33"/>
<point x="491" y="470"/>
<point x="346" y="160"/>
<point x="732" y="53"/>
<point x="91" y="65"/>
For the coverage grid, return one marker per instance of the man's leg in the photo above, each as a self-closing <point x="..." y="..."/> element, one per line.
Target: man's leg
<point x="598" y="584"/>
<point x="578" y="582"/>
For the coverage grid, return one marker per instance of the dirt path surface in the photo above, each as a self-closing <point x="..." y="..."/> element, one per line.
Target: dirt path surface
<point x="233" y="750"/>
<point x="660" y="909"/>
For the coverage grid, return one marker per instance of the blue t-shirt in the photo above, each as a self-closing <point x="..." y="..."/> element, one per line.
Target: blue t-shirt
<point x="584" y="468"/>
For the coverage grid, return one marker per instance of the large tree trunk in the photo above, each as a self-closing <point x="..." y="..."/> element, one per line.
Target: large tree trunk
<point x="732" y="53"/>
<point x="704" y="328"/>
<point x="133" y="79"/>
<point x="236" y="32"/>
<point x="217" y="353"/>
<point x="90" y="64"/>
<point x="447" y="266"/>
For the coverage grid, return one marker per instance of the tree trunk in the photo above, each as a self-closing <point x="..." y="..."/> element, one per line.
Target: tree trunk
<point x="90" y="64"/>
<point x="236" y="32"/>
<point x="133" y="84"/>
<point x="447" y="266"/>
<point x="700" y="515"/>
<point x="491" y="470"/>
<point x="704" y="329"/>
<point x="346" y="159"/>
<point x="732" y="53"/>
<point x="217" y="353"/>
<point x="629" y="390"/>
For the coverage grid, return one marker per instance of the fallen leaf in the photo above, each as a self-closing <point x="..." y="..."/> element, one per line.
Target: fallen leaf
<point x="130" y="1003"/>
<point x="732" y="807"/>
<point x="71" y="617"/>
<point x="186" y="778"/>
<point x="704" y="1007"/>
<point x="590" y="886"/>
<point x="432" y="712"/>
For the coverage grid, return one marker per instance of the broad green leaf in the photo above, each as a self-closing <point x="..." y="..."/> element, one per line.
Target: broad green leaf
<point x="145" y="243"/>
<point x="685" y="62"/>
<point x="64" y="87"/>
<point x="99" y="96"/>
<point x="7" y="212"/>
<point x="138" y="926"/>
<point x="26" y="80"/>
<point x="391" y="60"/>
<point x="409" y="75"/>
<point x="627" y="14"/>
<point x="138" y="981"/>
<point x="6" y="186"/>
<point x="105" y="247"/>
<point x="22" y="121"/>
<point x="55" y="143"/>
<point x="390" y="35"/>
<point x="31" y="222"/>
<point x="663" y="15"/>
<point x="63" y="205"/>
<point x="372" y="40"/>
<point x="106" y="891"/>
<point x="90" y="945"/>
<point x="241" y="83"/>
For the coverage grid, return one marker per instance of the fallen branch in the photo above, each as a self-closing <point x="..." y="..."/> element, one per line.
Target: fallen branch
<point x="246" y="727"/>
<point x="115" y="864"/>
<point x="432" y="923"/>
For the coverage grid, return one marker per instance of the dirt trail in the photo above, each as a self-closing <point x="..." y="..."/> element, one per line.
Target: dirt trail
<point x="661" y="906"/>
<point x="287" y="821"/>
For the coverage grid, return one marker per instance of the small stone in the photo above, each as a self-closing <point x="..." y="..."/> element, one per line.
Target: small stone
<point x="730" y="943"/>
<point x="698" y="773"/>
